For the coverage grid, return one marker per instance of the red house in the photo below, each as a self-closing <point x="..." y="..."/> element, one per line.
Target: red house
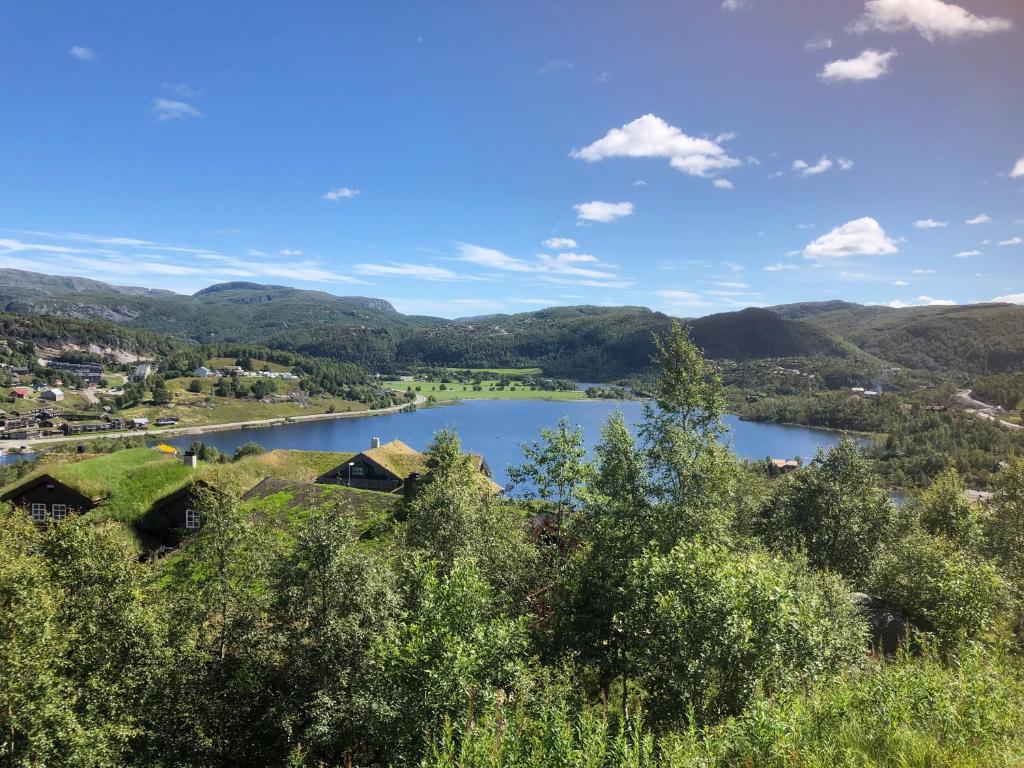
<point x="21" y="392"/>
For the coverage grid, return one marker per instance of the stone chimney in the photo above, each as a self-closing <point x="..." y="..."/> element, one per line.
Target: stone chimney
<point x="191" y="460"/>
<point x="374" y="442"/>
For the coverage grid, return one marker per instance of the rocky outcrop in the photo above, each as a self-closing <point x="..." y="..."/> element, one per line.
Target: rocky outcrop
<point x="890" y="629"/>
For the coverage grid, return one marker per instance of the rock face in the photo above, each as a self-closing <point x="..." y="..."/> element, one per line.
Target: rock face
<point x="889" y="628"/>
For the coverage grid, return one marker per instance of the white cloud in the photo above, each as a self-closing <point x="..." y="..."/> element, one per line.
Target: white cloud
<point x="1012" y="241"/>
<point x="1018" y="170"/>
<point x="556" y="66"/>
<point x="805" y="169"/>
<point x="182" y="90"/>
<point x="340" y="193"/>
<point x="677" y="299"/>
<point x="900" y="283"/>
<point x="82" y="54"/>
<point x="728" y="284"/>
<point x="599" y="211"/>
<point x="723" y="184"/>
<point x="494" y="259"/>
<point x="639" y="183"/>
<point x="932" y="19"/>
<point x="587" y="282"/>
<point x="845" y="275"/>
<point x="869" y="65"/>
<point x="554" y="243"/>
<point x="981" y="218"/>
<point x="863" y="236"/>
<point x="818" y="43"/>
<point x="650" y="136"/>
<point x="930" y="224"/>
<point x="168" y="109"/>
<point x="929" y="301"/>
<point x="923" y="272"/>
<point x="845" y="163"/>
<point x="419" y="271"/>
<point x="732" y="266"/>
<point x="734" y="5"/>
<point x="780" y="267"/>
<point x="1011" y="298"/>
<point x="966" y="254"/>
<point x="289" y="252"/>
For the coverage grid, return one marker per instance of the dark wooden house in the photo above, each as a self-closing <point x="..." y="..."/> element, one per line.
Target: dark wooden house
<point x="46" y="499"/>
<point x="390" y="468"/>
<point x="178" y="513"/>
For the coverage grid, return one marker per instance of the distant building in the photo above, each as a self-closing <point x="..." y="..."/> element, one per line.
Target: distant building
<point x="55" y="395"/>
<point x="140" y="423"/>
<point x="90" y="372"/>
<point x="203" y="372"/>
<point x="45" y="498"/>
<point x="166" y="421"/>
<point x="390" y="468"/>
<point x="785" y="466"/>
<point x="21" y="392"/>
<point x="142" y="371"/>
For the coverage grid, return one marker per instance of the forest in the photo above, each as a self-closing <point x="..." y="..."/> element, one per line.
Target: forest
<point x="660" y="603"/>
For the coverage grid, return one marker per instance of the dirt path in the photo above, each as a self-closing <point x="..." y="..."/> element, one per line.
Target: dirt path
<point x="198" y="430"/>
<point x="982" y="410"/>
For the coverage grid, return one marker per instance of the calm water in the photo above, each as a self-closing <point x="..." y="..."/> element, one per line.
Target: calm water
<point x="10" y="458"/>
<point x="496" y="428"/>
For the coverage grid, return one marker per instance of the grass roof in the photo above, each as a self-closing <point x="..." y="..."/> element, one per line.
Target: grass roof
<point x="398" y="459"/>
<point x="286" y="502"/>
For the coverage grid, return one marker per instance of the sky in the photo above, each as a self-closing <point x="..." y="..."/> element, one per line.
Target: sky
<point x="468" y="158"/>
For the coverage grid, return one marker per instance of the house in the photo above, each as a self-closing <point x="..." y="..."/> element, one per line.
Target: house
<point x="21" y="392"/>
<point x="179" y="512"/>
<point x="46" y="498"/>
<point x="202" y="372"/>
<point x="166" y="421"/>
<point x="389" y="468"/>
<point x="142" y="371"/>
<point x="784" y="466"/>
<point x="140" y="423"/>
<point x="53" y="394"/>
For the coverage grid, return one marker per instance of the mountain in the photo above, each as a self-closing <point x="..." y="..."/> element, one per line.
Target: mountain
<point x="599" y="343"/>
<point x="971" y="339"/>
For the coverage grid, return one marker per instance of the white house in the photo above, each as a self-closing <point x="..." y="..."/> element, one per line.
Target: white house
<point x="203" y="372"/>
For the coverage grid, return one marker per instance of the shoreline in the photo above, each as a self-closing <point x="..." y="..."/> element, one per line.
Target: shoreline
<point x="200" y="429"/>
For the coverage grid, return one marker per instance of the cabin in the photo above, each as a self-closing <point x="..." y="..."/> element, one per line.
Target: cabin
<point x="202" y="372"/>
<point x="784" y="466"/>
<point x="390" y="468"/>
<point x="47" y="499"/>
<point x="54" y="395"/>
<point x="178" y="513"/>
<point x="21" y="392"/>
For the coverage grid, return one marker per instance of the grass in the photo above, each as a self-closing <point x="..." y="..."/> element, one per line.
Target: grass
<point x="216" y="363"/>
<point x="199" y="409"/>
<point x="502" y="371"/>
<point x="457" y="391"/>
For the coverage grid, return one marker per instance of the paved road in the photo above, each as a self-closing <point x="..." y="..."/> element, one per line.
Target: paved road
<point x="198" y="430"/>
<point x="982" y="410"/>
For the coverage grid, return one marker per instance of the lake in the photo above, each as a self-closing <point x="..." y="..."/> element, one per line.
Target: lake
<point x="496" y="429"/>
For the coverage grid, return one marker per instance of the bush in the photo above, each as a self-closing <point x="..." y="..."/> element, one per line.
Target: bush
<point x="248" y="449"/>
<point x="940" y="587"/>
<point x="712" y="627"/>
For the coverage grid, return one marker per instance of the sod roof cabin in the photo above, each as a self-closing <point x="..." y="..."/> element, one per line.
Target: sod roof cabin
<point x="391" y="468"/>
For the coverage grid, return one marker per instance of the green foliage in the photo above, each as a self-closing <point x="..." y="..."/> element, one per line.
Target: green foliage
<point x="834" y="512"/>
<point x="945" y="510"/>
<point x="247" y="449"/>
<point x="714" y="628"/>
<point x="939" y="587"/>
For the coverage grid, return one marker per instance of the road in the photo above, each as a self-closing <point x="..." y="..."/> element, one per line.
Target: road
<point x="198" y="430"/>
<point x="982" y="410"/>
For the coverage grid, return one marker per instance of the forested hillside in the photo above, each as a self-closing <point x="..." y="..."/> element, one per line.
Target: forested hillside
<point x="599" y="343"/>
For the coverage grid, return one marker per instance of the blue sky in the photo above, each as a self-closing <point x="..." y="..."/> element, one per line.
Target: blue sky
<point x="461" y="158"/>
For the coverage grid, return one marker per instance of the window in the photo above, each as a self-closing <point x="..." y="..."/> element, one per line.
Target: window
<point x="39" y="513"/>
<point x="358" y="470"/>
<point x="58" y="511"/>
<point x="191" y="519"/>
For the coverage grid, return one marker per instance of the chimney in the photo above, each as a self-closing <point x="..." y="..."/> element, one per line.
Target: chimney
<point x="190" y="459"/>
<point x="375" y="442"/>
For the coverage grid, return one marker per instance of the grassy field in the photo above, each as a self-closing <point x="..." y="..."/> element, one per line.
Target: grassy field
<point x="502" y="371"/>
<point x="257" y="365"/>
<point x="489" y="391"/>
<point x="197" y="409"/>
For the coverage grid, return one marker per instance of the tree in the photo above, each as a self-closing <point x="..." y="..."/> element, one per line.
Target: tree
<point x="1005" y="528"/>
<point x="692" y="473"/>
<point x="449" y="654"/>
<point x="945" y="510"/>
<point x="160" y="394"/>
<point x="195" y="386"/>
<point x="333" y="600"/>
<point x="248" y="449"/>
<point x="834" y="512"/>
<point x="940" y="587"/>
<point x="555" y="469"/>
<point x="720" y="627"/>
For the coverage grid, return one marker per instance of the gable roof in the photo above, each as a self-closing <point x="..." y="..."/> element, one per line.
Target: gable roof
<point x="36" y="480"/>
<point x="397" y="459"/>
